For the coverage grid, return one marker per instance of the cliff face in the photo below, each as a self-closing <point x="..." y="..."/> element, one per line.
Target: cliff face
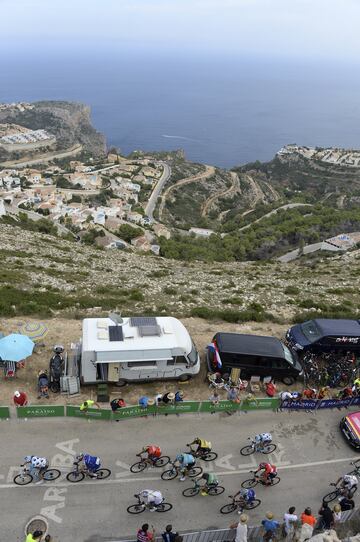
<point x="70" y="122"/>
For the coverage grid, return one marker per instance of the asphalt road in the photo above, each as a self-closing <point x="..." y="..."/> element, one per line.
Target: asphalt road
<point x="311" y="454"/>
<point x="149" y="209"/>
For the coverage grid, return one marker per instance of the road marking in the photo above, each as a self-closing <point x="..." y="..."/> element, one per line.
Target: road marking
<point x="157" y="478"/>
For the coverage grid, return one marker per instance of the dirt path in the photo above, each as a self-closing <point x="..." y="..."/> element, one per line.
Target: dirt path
<point x="209" y="172"/>
<point x="233" y="189"/>
<point x="258" y="194"/>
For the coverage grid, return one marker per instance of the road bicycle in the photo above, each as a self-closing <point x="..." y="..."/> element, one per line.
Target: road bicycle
<point x="79" y="474"/>
<point x="356" y="470"/>
<point x="140" y="506"/>
<point x="202" y="454"/>
<point x="172" y="473"/>
<point x="258" y="447"/>
<point x="339" y="492"/>
<point x="239" y="505"/>
<point x="209" y="490"/>
<point x="145" y="462"/>
<point x="25" y="477"/>
<point x="255" y="480"/>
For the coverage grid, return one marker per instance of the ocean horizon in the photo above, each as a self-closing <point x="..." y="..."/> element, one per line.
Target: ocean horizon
<point x="223" y="111"/>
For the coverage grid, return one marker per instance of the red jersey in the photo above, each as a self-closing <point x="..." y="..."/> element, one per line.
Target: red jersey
<point x="154" y="451"/>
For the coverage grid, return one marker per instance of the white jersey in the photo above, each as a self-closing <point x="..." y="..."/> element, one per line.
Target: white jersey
<point x="151" y="496"/>
<point x="350" y="480"/>
<point x="263" y="437"/>
<point x="39" y="462"/>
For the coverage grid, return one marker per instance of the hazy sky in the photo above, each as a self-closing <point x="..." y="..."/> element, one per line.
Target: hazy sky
<point x="301" y="28"/>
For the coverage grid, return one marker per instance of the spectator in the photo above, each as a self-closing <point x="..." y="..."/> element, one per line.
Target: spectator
<point x="144" y="401"/>
<point x="241" y="529"/>
<point x="270" y="389"/>
<point x="270" y="526"/>
<point x="116" y="404"/>
<point x="327" y="517"/>
<point x="346" y="504"/>
<point x="324" y="393"/>
<point x="307" y="517"/>
<point x="34" y="537"/>
<point x="20" y="398"/>
<point x="337" y="513"/>
<point x="233" y="395"/>
<point x="89" y="403"/>
<point x="168" y="398"/>
<point x="179" y="396"/>
<point x="289" y="523"/>
<point x="178" y="538"/>
<point x="346" y="393"/>
<point x="144" y="535"/>
<point x="158" y="399"/>
<point x="214" y="399"/>
<point x="309" y="393"/>
<point x="168" y="535"/>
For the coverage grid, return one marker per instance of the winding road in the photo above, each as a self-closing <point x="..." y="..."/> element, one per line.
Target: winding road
<point x="151" y="204"/>
<point x="233" y="189"/>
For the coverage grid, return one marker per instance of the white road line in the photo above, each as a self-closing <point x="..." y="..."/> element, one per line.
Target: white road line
<point x="157" y="478"/>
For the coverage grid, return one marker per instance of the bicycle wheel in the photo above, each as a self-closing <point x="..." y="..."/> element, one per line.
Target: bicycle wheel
<point x="247" y="450"/>
<point x="209" y="456"/>
<point x="162" y="461"/>
<point x="275" y="481"/>
<point x="331" y="496"/>
<point x="103" y="473"/>
<point x="252" y="482"/>
<point x="136" y="508"/>
<point x="169" y="474"/>
<point x="253" y="504"/>
<point x="51" y="474"/>
<point x="23" y="479"/>
<point x="191" y="491"/>
<point x="228" y="508"/>
<point x="138" y="467"/>
<point x="164" y="507"/>
<point x="269" y="449"/>
<point x="194" y="471"/>
<point x="75" y="476"/>
<point x="216" y="490"/>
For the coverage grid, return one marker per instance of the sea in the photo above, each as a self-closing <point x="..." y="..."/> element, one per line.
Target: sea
<point x="221" y="110"/>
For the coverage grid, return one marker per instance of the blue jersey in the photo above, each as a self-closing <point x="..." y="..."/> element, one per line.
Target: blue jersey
<point x="92" y="463"/>
<point x="188" y="459"/>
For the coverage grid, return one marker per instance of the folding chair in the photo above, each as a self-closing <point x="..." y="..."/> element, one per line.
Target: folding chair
<point x="10" y="370"/>
<point x="255" y="384"/>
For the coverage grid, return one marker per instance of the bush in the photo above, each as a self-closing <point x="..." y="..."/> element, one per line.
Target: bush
<point x="128" y="232"/>
<point x="291" y="290"/>
<point x="170" y="290"/>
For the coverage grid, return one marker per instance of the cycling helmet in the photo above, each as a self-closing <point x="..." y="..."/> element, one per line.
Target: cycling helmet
<point x="197" y="440"/>
<point x="37" y="463"/>
<point x="145" y="448"/>
<point x="80" y="456"/>
<point x="262" y="465"/>
<point x="179" y="457"/>
<point x="266" y="436"/>
<point x="244" y="493"/>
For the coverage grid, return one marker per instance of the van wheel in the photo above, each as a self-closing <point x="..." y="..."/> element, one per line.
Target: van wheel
<point x="288" y="380"/>
<point x="184" y="378"/>
<point x="121" y="383"/>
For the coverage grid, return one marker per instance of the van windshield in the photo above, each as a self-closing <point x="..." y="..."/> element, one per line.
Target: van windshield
<point x="310" y="330"/>
<point x="288" y="355"/>
<point x="193" y="356"/>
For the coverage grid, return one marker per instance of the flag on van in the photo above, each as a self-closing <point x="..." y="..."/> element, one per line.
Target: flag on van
<point x="213" y="348"/>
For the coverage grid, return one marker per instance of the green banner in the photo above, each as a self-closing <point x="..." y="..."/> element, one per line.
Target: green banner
<point x="259" y="404"/>
<point x="4" y="412"/>
<point x="41" y="411"/>
<point x="208" y="406"/>
<point x="94" y="413"/>
<point x="136" y="411"/>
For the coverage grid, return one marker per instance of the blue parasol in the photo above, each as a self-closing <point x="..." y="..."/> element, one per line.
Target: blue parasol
<point x="15" y="347"/>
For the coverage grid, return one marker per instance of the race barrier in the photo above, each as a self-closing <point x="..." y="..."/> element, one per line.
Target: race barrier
<point x="183" y="407"/>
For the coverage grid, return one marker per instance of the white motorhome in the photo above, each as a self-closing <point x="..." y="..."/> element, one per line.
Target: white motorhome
<point x="137" y="349"/>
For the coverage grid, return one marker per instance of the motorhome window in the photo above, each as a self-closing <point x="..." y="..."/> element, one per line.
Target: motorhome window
<point x="193" y="356"/>
<point x="288" y="355"/>
<point x="176" y="360"/>
<point x="137" y="364"/>
<point x="310" y="330"/>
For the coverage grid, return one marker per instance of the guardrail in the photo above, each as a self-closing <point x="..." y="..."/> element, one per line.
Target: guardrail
<point x="183" y="407"/>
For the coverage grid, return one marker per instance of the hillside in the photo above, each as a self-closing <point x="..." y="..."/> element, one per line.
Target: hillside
<point x="69" y="122"/>
<point x="48" y="276"/>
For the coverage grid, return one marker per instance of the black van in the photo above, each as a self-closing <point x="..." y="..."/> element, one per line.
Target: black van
<point x="324" y="335"/>
<point x="254" y="355"/>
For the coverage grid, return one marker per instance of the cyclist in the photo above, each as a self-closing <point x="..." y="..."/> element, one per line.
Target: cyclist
<point x="90" y="463"/>
<point x="348" y="484"/>
<point x="309" y="393"/>
<point x="186" y="462"/>
<point x="153" y="452"/>
<point x="243" y="497"/>
<point x="152" y="498"/>
<point x="210" y="481"/>
<point x="261" y="440"/>
<point x="267" y="472"/>
<point x="37" y="465"/>
<point x="203" y="446"/>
